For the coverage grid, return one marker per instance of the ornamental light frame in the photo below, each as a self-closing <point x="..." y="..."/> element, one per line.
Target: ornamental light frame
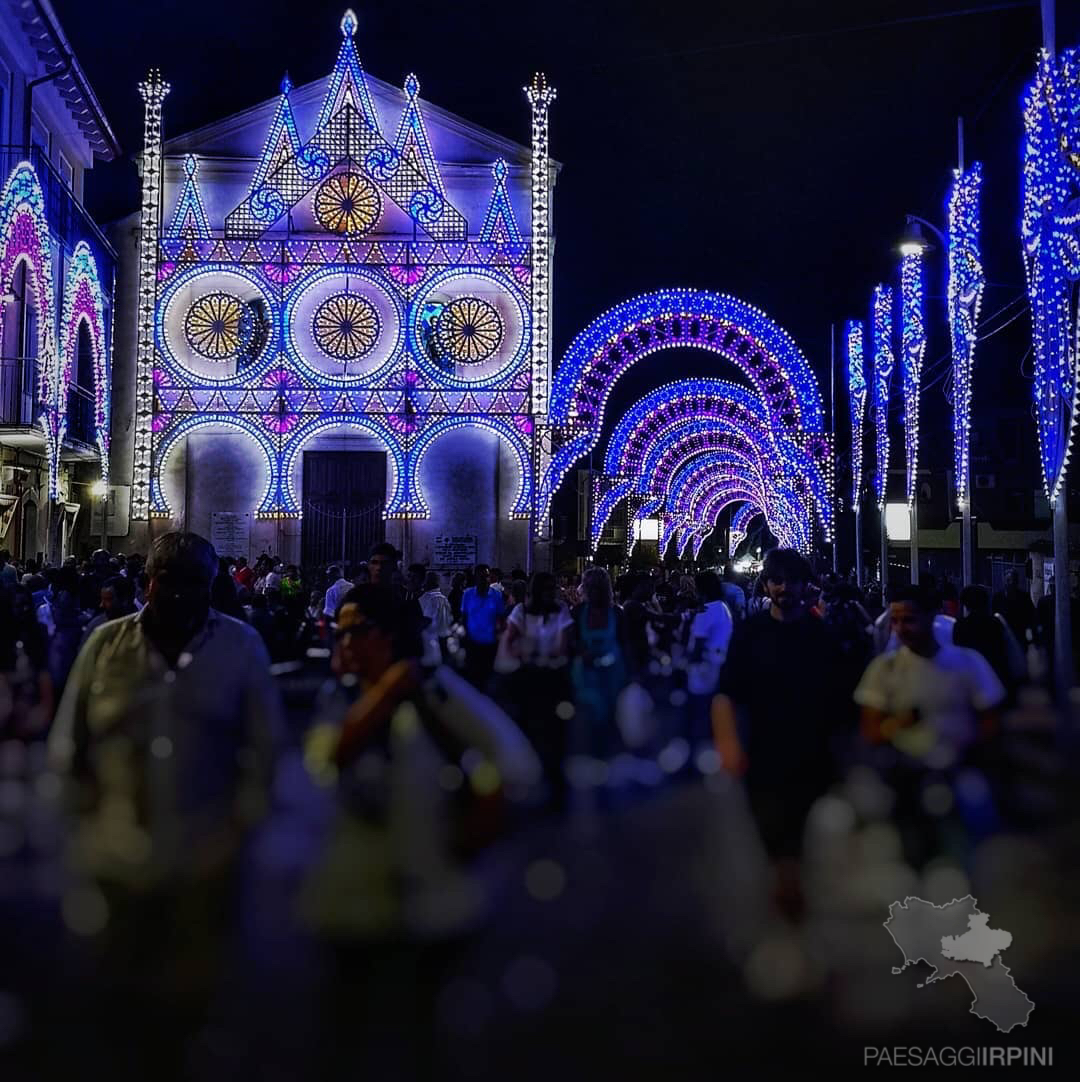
<point x="964" y="294"/>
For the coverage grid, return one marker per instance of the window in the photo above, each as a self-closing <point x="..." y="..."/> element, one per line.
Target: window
<point x="67" y="173"/>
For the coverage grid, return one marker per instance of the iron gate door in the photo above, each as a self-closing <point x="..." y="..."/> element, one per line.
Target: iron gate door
<point x="344" y="498"/>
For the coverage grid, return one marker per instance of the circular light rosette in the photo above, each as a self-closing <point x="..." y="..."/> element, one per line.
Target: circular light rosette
<point x="469" y="326"/>
<point x="346" y="326"/>
<point x="218" y="326"/>
<point x="469" y="330"/>
<point x="347" y="204"/>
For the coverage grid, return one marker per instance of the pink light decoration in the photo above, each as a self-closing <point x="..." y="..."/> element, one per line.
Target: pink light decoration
<point x="281" y="274"/>
<point x="165" y="270"/>
<point x="407" y="274"/>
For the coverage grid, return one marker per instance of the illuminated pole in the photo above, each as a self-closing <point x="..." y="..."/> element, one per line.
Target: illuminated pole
<point x="913" y="325"/>
<point x="883" y="367"/>
<point x="832" y="419"/>
<point x="856" y="369"/>
<point x="964" y="298"/>
<point x="540" y="97"/>
<point x="1051" y="188"/>
<point x="154" y="91"/>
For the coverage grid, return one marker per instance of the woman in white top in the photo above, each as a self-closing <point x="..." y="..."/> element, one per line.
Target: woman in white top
<point x="534" y="653"/>
<point x="436" y="607"/>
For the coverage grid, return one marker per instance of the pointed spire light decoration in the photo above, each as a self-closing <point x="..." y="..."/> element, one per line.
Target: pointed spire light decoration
<point x="348" y="84"/>
<point x="189" y="217"/>
<point x="500" y="226"/>
<point x="282" y="141"/>
<point x="412" y="141"/>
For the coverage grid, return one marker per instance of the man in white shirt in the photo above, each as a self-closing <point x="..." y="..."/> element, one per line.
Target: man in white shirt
<point x="931" y="700"/>
<point x="336" y="591"/>
<point x="934" y="704"/>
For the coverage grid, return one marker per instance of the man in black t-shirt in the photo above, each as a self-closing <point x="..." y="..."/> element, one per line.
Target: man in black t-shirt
<point x="780" y="701"/>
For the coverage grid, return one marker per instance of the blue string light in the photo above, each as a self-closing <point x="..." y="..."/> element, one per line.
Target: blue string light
<point x="883" y="369"/>
<point x="1050" y="232"/>
<point x="856" y="368"/>
<point x="913" y="343"/>
<point x="967" y="281"/>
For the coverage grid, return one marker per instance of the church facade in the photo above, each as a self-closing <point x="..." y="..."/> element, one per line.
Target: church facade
<point x="337" y="307"/>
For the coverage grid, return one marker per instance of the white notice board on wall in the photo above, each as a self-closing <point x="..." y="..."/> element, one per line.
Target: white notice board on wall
<point x="230" y="533"/>
<point x="454" y="550"/>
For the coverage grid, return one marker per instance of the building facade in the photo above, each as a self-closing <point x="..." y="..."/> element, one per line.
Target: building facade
<point x="335" y="312"/>
<point x="57" y="277"/>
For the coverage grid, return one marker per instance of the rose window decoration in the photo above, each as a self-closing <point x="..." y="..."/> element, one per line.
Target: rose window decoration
<point x="346" y="326"/>
<point x="347" y="203"/>
<point x="219" y="326"/>
<point x="469" y="330"/>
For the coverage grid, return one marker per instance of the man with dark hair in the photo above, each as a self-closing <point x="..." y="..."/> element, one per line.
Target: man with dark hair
<point x="776" y="714"/>
<point x="165" y="735"/>
<point x="177" y="698"/>
<point x="481" y="609"/>
<point x="933" y="704"/>
<point x="382" y="563"/>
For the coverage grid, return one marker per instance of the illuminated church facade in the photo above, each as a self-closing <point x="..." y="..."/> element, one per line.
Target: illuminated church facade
<point x="336" y="305"/>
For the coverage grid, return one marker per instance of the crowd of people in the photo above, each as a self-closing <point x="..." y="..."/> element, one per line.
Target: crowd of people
<point x="450" y="710"/>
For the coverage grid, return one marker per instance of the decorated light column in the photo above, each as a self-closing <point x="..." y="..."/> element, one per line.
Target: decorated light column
<point x="154" y="90"/>
<point x="966" y="284"/>
<point x="540" y="97"/>
<point x="1052" y="263"/>
<point x="857" y="401"/>
<point x="913" y="342"/>
<point x="883" y="367"/>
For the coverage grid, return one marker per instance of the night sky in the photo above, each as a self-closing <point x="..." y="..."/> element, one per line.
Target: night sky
<point x="769" y="150"/>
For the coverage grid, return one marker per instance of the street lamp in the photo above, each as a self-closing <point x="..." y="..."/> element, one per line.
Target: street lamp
<point x="912" y="240"/>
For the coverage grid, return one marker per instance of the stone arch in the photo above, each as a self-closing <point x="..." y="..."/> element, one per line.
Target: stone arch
<point x="286" y="499"/>
<point x="167" y="442"/>
<point x="409" y="501"/>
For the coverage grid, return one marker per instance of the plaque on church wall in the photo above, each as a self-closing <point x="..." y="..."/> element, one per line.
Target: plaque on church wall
<point x="454" y="551"/>
<point x="230" y="533"/>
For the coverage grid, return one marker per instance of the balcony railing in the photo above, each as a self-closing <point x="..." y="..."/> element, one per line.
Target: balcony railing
<point x="68" y="220"/>
<point x="19" y="403"/>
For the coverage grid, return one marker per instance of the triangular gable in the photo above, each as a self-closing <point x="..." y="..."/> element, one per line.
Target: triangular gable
<point x="347" y="140"/>
<point x="282" y="141"/>
<point x="500" y="225"/>
<point x="189" y="218"/>
<point x="348" y="85"/>
<point x="412" y="141"/>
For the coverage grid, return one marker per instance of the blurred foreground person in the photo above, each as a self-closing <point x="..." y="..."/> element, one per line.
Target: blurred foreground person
<point x="165" y="733"/>
<point x="931" y="707"/>
<point x="422" y="761"/>
<point x="599" y="670"/>
<point x="536" y="643"/>
<point x="775" y="718"/>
